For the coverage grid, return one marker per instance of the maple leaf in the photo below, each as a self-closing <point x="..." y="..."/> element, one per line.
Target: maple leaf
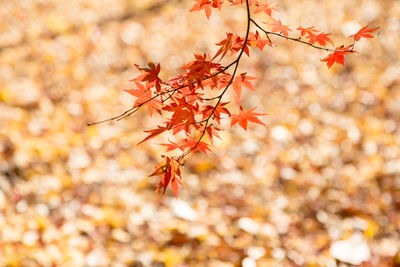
<point x="218" y="81"/>
<point x="192" y="143"/>
<point x="183" y="113"/>
<point x="220" y="108"/>
<point x="237" y="43"/>
<point x="223" y="80"/>
<point x="255" y="40"/>
<point x="244" y="80"/>
<point x="266" y="7"/>
<point x="182" y="127"/>
<point x="150" y="75"/>
<point x="244" y="116"/>
<point x="322" y="38"/>
<point x="212" y="131"/>
<point x="172" y="146"/>
<point x="143" y="95"/>
<point x="309" y="31"/>
<point x="225" y="44"/>
<point x="177" y="81"/>
<point x="364" y="32"/>
<point x="153" y="133"/>
<point x="190" y="95"/>
<point x="311" y="34"/>
<point x="337" y="56"/>
<point x="199" y="69"/>
<point x="277" y="26"/>
<point x="170" y="169"/>
<point x="207" y="5"/>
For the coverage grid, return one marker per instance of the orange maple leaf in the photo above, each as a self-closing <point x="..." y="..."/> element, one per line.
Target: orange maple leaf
<point x="211" y="132"/>
<point x="217" y="111"/>
<point x="143" y="95"/>
<point x="337" y="56"/>
<point x="255" y="40"/>
<point x="364" y="32"/>
<point x="266" y="7"/>
<point x="309" y="30"/>
<point x="150" y="75"/>
<point x="170" y="169"/>
<point x="153" y="133"/>
<point x="207" y="5"/>
<point x="225" y="44"/>
<point x="172" y="146"/>
<point x="244" y="116"/>
<point x="198" y="69"/>
<point x="277" y="26"/>
<point x="322" y="38"/>
<point x="244" y="80"/>
<point x="192" y="143"/>
<point x="183" y="114"/>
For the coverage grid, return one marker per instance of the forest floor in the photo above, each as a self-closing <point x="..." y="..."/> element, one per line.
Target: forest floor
<point x="318" y="186"/>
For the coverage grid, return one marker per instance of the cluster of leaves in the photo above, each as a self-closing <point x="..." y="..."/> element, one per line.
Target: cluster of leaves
<point x="182" y="100"/>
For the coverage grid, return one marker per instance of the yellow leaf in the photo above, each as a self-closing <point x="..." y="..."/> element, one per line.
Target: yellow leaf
<point x="172" y="258"/>
<point x="372" y="229"/>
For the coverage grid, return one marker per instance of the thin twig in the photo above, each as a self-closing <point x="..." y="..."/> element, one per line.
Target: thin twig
<point x="292" y="39"/>
<point x="130" y="111"/>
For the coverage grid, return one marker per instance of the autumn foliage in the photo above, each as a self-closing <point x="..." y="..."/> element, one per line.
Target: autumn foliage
<point x="184" y="100"/>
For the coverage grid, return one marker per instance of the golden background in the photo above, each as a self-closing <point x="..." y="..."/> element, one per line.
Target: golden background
<point x="318" y="186"/>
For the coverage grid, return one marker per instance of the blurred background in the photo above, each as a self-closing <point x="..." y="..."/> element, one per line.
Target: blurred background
<point x="318" y="186"/>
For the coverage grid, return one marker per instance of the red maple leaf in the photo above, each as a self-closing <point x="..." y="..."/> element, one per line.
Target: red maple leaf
<point x="192" y="143"/>
<point x="172" y="146"/>
<point x="277" y="26"/>
<point x="170" y="169"/>
<point x="337" y="56"/>
<point x="364" y="32"/>
<point x="322" y="38"/>
<point x="255" y="40"/>
<point x="211" y="132"/>
<point x="266" y="7"/>
<point x="199" y="69"/>
<point x="308" y="30"/>
<point x="190" y="95"/>
<point x="207" y="5"/>
<point x="244" y="116"/>
<point x="220" y="108"/>
<point x="153" y="133"/>
<point x="311" y="34"/>
<point x="238" y="43"/>
<point x="218" y="81"/>
<point x="143" y="95"/>
<point x="183" y="114"/>
<point x="150" y="75"/>
<point x="225" y="44"/>
<point x="244" y="80"/>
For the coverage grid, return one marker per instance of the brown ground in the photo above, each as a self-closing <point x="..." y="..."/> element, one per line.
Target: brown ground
<point x="324" y="173"/>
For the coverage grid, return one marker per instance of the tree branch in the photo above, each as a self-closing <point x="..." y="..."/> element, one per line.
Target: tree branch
<point x="291" y="38"/>
<point x="236" y="63"/>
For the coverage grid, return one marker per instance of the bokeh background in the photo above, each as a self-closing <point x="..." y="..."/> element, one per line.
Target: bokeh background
<point x="318" y="186"/>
